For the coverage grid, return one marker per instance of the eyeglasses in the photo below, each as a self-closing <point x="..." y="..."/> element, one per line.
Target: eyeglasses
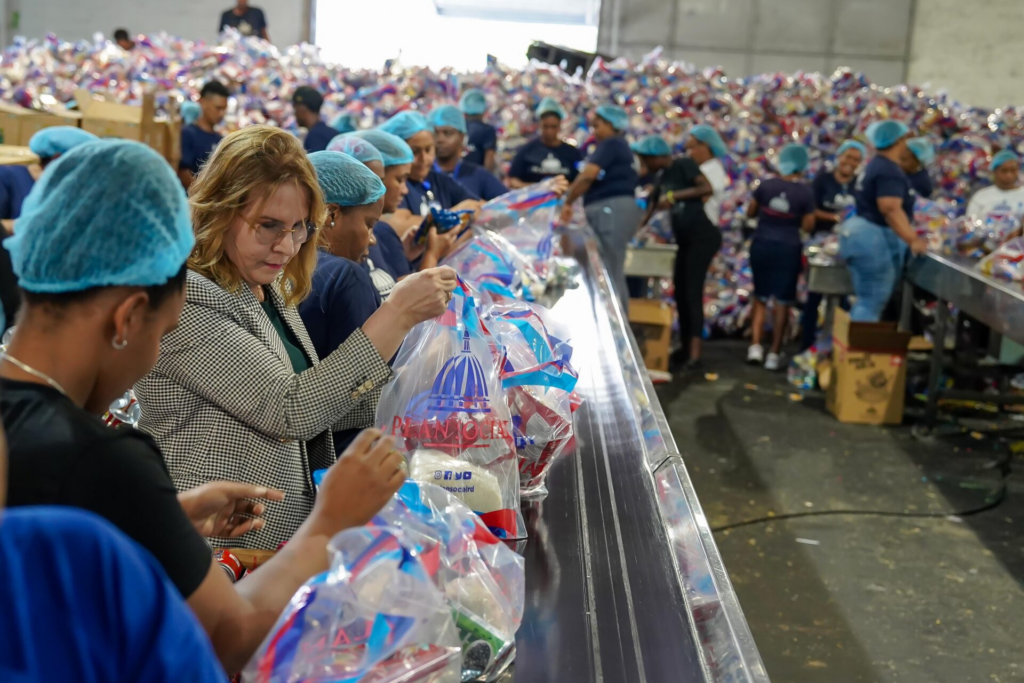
<point x="268" y="234"/>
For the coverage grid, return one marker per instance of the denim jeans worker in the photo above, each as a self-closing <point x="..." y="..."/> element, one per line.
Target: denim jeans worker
<point x="874" y="256"/>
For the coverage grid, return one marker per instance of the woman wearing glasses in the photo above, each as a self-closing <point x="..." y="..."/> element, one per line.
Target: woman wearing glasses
<point x="238" y="391"/>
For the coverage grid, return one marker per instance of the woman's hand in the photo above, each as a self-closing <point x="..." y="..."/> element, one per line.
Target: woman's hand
<point x="566" y="217"/>
<point x="468" y="205"/>
<point x="422" y="296"/>
<point x="222" y="508"/>
<point x="440" y="246"/>
<point x="412" y="250"/>
<point x="918" y="245"/>
<point x="559" y="185"/>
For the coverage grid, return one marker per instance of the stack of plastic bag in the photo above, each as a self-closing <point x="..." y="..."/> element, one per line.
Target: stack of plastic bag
<point x="491" y="264"/>
<point x="1006" y="262"/>
<point x="446" y="410"/>
<point x="976" y="237"/>
<point x="539" y="384"/>
<point x="526" y="218"/>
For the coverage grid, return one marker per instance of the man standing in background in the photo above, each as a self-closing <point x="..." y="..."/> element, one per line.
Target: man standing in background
<point x="481" y="138"/>
<point x="121" y="38"/>
<point x="307" y="102"/>
<point x="249" y="21"/>
<point x="199" y="139"/>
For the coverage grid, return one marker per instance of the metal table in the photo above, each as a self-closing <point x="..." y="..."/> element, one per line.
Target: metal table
<point x="624" y="581"/>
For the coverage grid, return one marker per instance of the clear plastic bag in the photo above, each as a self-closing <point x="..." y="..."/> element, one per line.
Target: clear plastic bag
<point x="446" y="410"/>
<point x="492" y="265"/>
<point x="1006" y="262"/>
<point x="377" y="616"/>
<point x="526" y="218"/>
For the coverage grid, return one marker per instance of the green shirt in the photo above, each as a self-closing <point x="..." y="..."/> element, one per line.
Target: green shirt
<point x="296" y="355"/>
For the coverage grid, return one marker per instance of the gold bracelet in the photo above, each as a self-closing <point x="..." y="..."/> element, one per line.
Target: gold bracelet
<point x="671" y="197"/>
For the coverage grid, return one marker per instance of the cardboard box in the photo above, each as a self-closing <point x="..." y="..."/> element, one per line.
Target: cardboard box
<point x="869" y="372"/>
<point x="18" y="125"/>
<point x="651" y="321"/>
<point x="11" y="155"/>
<point x="54" y="117"/>
<point x="107" y="119"/>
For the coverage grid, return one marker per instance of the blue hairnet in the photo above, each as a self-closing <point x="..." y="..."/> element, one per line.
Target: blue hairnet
<point x="405" y="124"/>
<point x="473" y="102"/>
<point x="448" y="115"/>
<point x="1000" y="158"/>
<point x="357" y="148"/>
<point x="885" y="134"/>
<point x="652" y="146"/>
<point x="550" y="106"/>
<point x="346" y="181"/>
<point x="792" y="159"/>
<point x="922" y="149"/>
<point x="190" y="112"/>
<point x="853" y="144"/>
<point x="393" y="148"/>
<point x="615" y="116"/>
<point x="710" y="137"/>
<point x="344" y="122"/>
<point x="49" y="142"/>
<point x="107" y="213"/>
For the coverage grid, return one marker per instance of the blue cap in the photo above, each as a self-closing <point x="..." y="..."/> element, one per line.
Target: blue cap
<point x="792" y="159"/>
<point x="852" y="144"/>
<point x="473" y="102"/>
<point x="922" y="149"/>
<point x="357" y="148"/>
<point x="405" y="124"/>
<point x="56" y="140"/>
<point x="615" y="116"/>
<point x="710" y="137"/>
<point x="190" y="112"/>
<point x="652" y="146"/>
<point x="344" y="122"/>
<point x="448" y="115"/>
<point x="346" y="181"/>
<point x="392" y="148"/>
<point x="108" y="213"/>
<point x="885" y="134"/>
<point x="1000" y="158"/>
<point x="550" y="106"/>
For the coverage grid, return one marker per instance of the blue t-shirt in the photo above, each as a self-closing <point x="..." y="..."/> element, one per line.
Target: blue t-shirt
<point x="480" y="137"/>
<point x="620" y="179"/>
<point x="15" y="184"/>
<point x="832" y="196"/>
<point x="881" y="178"/>
<point x="252" y="22"/>
<point x="446" y="192"/>
<point x="920" y="186"/>
<point x="196" y="147"/>
<point x="389" y="254"/>
<point x="535" y="162"/>
<point x="318" y="137"/>
<point x="782" y="205"/>
<point x="343" y="298"/>
<point x="81" y="602"/>
<point x="476" y="179"/>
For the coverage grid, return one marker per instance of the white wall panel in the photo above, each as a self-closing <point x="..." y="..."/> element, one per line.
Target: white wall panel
<point x="793" y="26"/>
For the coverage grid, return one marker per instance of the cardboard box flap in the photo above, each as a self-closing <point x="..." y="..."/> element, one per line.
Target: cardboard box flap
<point x="649" y="312"/>
<point x="14" y="109"/>
<point x="875" y="337"/>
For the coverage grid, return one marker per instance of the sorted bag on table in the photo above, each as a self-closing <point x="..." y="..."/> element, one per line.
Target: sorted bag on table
<point x="1006" y="262"/>
<point x="539" y="383"/>
<point x="490" y="264"/>
<point x="377" y="616"/>
<point x="447" y="413"/>
<point x="481" y="577"/>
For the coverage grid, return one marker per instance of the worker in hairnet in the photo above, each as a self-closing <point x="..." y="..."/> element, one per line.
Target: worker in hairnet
<point x="482" y="143"/>
<point x="919" y="154"/>
<point x="784" y="207"/>
<point x="345" y="122"/>
<point x="547" y="155"/>
<point x="307" y="102"/>
<point x="1004" y="199"/>
<point x="607" y="185"/>
<point x="875" y="241"/>
<point x="655" y="156"/>
<point x="707" y="148"/>
<point x="450" y="138"/>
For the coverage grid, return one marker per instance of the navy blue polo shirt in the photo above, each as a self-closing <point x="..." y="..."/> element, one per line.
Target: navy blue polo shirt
<point x="389" y="254"/>
<point x="480" y="137"/>
<point x="446" y="193"/>
<point x="343" y="298"/>
<point x="318" y="137"/>
<point x="882" y="178"/>
<point x="620" y="178"/>
<point x="535" y="162"/>
<point x="832" y="196"/>
<point x="15" y="184"/>
<point x="196" y="146"/>
<point x="782" y="205"/>
<point x="476" y="179"/>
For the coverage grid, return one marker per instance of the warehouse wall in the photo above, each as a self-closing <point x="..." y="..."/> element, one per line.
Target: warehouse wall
<point x="756" y="36"/>
<point x="970" y="49"/>
<point x="194" y="19"/>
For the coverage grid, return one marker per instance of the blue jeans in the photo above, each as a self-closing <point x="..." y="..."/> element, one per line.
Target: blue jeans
<point x="874" y="256"/>
<point x="615" y="220"/>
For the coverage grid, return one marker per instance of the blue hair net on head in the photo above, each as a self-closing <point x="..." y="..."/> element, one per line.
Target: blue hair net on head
<point x="190" y="112"/>
<point x="710" y="137"/>
<point x="550" y="106"/>
<point x="652" y="146"/>
<point x="392" y="148"/>
<point x="1000" y="158"/>
<point x="792" y="159"/>
<point x="357" y="148"/>
<point x="448" y="115"/>
<point x="885" y="134"/>
<point x="922" y="149"/>
<point x="615" y="116"/>
<point x="344" y="122"/>
<point x="405" y="124"/>
<point x="107" y="213"/>
<point x="49" y="142"/>
<point x="852" y="144"/>
<point x="346" y="181"/>
<point x="473" y="102"/>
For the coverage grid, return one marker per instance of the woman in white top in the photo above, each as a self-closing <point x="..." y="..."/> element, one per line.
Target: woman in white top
<point x="706" y="137"/>
<point x="1003" y="200"/>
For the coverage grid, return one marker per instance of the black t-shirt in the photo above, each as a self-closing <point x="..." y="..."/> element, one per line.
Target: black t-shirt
<point x="249" y="23"/>
<point x="681" y="175"/>
<point x="61" y="455"/>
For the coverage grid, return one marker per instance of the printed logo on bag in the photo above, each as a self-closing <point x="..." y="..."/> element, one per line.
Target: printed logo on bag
<point x="449" y="475"/>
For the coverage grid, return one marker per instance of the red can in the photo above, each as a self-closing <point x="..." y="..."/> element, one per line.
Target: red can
<point x="231" y="565"/>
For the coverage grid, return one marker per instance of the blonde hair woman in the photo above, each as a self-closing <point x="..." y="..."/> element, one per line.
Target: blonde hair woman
<point x="238" y="391"/>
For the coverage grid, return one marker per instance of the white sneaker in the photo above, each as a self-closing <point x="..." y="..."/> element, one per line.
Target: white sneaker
<point x="755" y="354"/>
<point x="773" y="362"/>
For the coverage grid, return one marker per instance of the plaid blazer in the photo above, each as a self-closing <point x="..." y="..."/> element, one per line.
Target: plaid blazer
<point x="223" y="402"/>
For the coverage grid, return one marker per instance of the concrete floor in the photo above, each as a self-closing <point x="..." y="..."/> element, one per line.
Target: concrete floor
<point x="855" y="598"/>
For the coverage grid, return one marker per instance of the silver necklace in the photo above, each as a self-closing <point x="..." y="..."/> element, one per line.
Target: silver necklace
<point x="32" y="371"/>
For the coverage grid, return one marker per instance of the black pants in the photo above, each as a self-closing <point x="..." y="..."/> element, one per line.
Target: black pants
<point x="698" y="242"/>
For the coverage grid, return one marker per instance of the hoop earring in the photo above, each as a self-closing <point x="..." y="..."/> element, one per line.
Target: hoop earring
<point x="118" y="345"/>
